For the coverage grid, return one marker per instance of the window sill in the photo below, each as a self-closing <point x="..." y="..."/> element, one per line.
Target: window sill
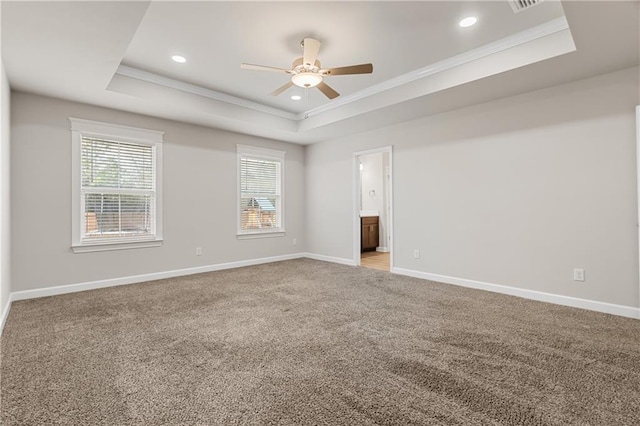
<point x="252" y="235"/>
<point x="101" y="246"/>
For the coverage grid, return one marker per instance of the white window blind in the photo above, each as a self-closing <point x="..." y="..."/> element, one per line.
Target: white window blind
<point x="117" y="181"/>
<point x="260" y="191"/>
<point x="118" y="189"/>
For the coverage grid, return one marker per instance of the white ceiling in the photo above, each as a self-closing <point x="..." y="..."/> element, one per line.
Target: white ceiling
<point x="117" y="54"/>
<point x="396" y="38"/>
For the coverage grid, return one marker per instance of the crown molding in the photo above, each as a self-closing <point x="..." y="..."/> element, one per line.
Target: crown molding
<point x="534" y="33"/>
<point x="523" y="37"/>
<point x="150" y="77"/>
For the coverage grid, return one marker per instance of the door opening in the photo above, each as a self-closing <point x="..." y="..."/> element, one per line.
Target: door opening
<point x="638" y="171"/>
<point x="372" y="211"/>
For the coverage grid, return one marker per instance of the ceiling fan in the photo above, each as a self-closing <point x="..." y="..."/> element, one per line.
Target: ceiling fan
<point x="306" y="72"/>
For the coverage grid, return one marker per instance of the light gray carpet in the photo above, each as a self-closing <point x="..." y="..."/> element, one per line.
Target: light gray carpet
<point x="308" y="342"/>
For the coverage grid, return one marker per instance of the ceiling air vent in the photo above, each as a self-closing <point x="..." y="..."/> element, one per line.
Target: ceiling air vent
<point x="520" y="5"/>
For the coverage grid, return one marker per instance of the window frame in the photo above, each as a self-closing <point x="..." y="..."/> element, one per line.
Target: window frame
<point x="94" y="129"/>
<point x="259" y="154"/>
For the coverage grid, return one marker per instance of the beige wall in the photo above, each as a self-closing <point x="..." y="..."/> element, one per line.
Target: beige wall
<point x="199" y="198"/>
<point x="5" y="227"/>
<point x="515" y="192"/>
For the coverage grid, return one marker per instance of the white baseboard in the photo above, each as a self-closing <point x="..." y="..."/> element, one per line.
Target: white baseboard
<point x="625" y="311"/>
<point x="340" y="260"/>
<point x="382" y="249"/>
<point x="92" y="285"/>
<point x="592" y="305"/>
<point x="5" y="313"/>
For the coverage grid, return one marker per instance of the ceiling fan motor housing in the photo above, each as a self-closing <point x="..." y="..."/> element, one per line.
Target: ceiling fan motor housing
<point x="298" y="66"/>
<point x="305" y="76"/>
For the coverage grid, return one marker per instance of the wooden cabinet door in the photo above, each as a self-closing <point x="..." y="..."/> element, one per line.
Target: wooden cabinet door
<point x="364" y="235"/>
<point x="369" y="233"/>
<point x="373" y="236"/>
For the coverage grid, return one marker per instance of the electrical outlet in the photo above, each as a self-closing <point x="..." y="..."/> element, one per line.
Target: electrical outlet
<point x="578" y="274"/>
<point x="294" y="241"/>
<point x="198" y="251"/>
<point x="416" y="254"/>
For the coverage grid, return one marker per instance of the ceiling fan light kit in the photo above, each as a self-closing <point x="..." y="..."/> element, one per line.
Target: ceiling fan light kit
<point x="306" y="79"/>
<point x="306" y="72"/>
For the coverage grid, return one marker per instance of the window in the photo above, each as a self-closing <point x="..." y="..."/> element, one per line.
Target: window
<point x="260" y="192"/>
<point x="117" y="195"/>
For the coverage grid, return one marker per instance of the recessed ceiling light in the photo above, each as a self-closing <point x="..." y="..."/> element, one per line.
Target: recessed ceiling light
<point x="296" y="97"/>
<point x="468" y="21"/>
<point x="179" y="59"/>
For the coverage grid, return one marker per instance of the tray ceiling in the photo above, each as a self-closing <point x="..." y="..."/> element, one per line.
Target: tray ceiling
<point x="118" y="54"/>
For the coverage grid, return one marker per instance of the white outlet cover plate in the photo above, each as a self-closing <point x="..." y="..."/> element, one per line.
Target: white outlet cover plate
<point x="578" y="274"/>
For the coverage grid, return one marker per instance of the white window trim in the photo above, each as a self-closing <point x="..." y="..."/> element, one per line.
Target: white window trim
<point x="267" y="154"/>
<point x="87" y="128"/>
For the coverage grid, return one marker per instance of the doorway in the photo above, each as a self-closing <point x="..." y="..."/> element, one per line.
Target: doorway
<point x="372" y="212"/>
<point x="638" y="168"/>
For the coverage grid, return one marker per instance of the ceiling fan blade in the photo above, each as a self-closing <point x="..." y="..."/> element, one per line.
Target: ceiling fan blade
<point x="263" y="68"/>
<point x="281" y="89"/>
<point x="352" y="69"/>
<point x="310" y="51"/>
<point x="327" y="90"/>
